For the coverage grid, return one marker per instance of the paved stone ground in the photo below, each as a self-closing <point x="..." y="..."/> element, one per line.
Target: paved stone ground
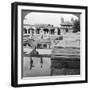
<point x="36" y="70"/>
<point x="45" y="70"/>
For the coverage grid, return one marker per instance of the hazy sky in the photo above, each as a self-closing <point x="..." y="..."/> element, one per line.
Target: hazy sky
<point x="47" y="18"/>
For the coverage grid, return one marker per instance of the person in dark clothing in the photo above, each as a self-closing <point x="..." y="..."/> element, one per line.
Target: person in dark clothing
<point x="33" y="52"/>
<point x="41" y="62"/>
<point x="31" y="63"/>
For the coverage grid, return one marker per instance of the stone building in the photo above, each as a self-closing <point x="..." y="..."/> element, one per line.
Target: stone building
<point x="66" y="26"/>
<point x="42" y="31"/>
<point x="48" y="36"/>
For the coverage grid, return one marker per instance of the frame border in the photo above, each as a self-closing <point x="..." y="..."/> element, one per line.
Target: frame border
<point x="14" y="43"/>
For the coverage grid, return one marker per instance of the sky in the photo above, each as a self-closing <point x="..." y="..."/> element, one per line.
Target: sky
<point x="47" y="18"/>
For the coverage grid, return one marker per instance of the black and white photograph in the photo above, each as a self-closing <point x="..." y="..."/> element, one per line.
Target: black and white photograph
<point x="49" y="44"/>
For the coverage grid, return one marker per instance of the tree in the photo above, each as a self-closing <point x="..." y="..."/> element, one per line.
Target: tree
<point x="76" y="26"/>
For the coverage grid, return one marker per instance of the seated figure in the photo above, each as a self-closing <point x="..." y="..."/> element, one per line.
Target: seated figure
<point x="34" y="52"/>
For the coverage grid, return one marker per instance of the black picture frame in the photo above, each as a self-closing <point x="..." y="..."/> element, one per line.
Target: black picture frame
<point x="14" y="43"/>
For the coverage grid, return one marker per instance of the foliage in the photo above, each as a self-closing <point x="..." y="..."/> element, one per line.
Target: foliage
<point x="76" y="26"/>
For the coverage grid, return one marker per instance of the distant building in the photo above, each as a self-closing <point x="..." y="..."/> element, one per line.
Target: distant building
<point x="66" y="26"/>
